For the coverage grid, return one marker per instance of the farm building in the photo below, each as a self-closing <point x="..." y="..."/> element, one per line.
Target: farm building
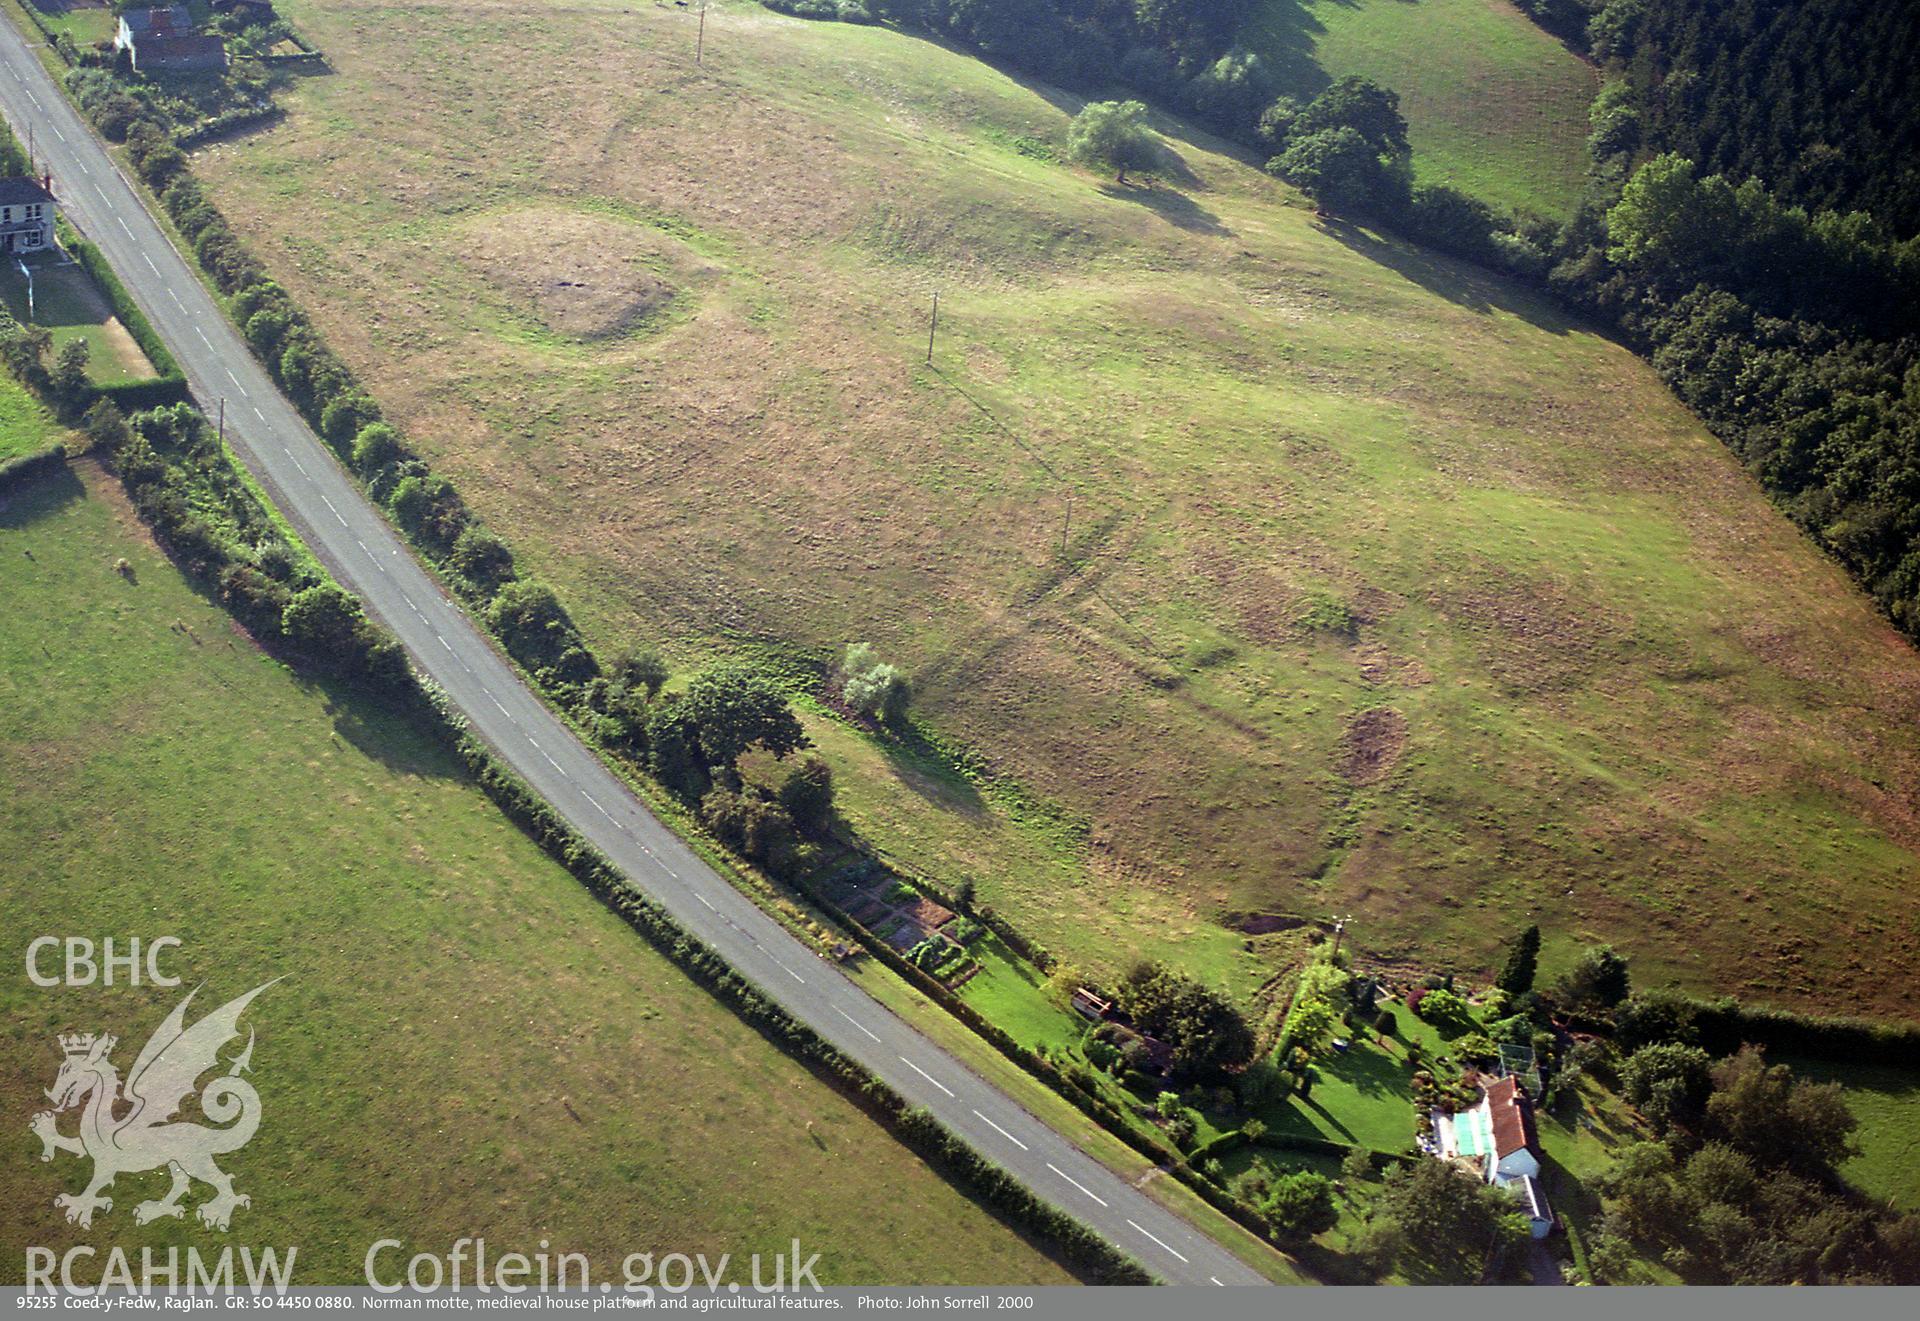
<point x="163" y="41"/>
<point x="26" y="214"/>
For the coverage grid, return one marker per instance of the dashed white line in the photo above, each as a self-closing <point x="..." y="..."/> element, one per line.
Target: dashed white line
<point x="148" y="257"/>
<point x="709" y="903"/>
<point x="1216" y="1280"/>
<point x="257" y="413"/>
<point x="57" y="133"/>
<point x="443" y="642"/>
<point x="550" y="761"/>
<point x="791" y="973"/>
<point x="596" y="807"/>
<point x="924" y="1074"/>
<point x="122" y="222"/>
<point x="1076" y="1183"/>
<point x="1162" y="1242"/>
<point x="844" y="1014"/>
<point x="1002" y="1132"/>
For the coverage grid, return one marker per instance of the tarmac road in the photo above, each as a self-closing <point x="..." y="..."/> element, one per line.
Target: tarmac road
<point x="367" y="556"/>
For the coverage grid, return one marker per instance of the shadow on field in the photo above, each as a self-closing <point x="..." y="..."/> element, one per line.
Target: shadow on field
<point x="1456" y="281"/>
<point x="382" y="734"/>
<point x="37" y="497"/>
<point x="1173" y="207"/>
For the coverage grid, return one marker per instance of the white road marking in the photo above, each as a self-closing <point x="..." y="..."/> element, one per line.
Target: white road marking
<point x="1216" y="1280"/>
<point x="851" y="1019"/>
<point x="36" y="100"/>
<point x="503" y="711"/>
<point x="329" y="504"/>
<point x="148" y="257"/>
<point x="1076" y="1183"/>
<point x="924" y="1074"/>
<point x="550" y="761"/>
<point x="596" y="806"/>
<point x="1157" y="1239"/>
<point x="791" y="973"/>
<point x="57" y="133"/>
<point x="257" y="413"/>
<point x="1002" y="1132"/>
<point x="709" y="903"/>
<point x="443" y="642"/>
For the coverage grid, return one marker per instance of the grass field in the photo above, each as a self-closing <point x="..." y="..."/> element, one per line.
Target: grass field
<point x="464" y="1043"/>
<point x="1886" y="1101"/>
<point x="1243" y="564"/>
<point x="1494" y="106"/>
<point x="25" y="426"/>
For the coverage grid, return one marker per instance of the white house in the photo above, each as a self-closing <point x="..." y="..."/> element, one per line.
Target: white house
<point x="1498" y="1138"/>
<point x="26" y="214"/>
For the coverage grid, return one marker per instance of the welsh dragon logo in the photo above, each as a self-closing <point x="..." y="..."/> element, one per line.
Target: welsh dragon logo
<point x="126" y="1129"/>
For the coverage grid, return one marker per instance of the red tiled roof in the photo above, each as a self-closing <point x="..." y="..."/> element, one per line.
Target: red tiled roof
<point x="1512" y="1118"/>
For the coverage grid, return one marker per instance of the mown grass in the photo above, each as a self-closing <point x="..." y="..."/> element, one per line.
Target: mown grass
<point x="1495" y="106"/>
<point x="1171" y="438"/>
<point x="464" y="1043"/>
<point x="25" y="425"/>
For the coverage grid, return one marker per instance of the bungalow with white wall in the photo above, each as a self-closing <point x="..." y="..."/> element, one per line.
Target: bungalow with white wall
<point x="1497" y="1137"/>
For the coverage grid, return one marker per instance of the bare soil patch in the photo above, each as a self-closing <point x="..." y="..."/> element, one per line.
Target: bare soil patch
<point x="1373" y="744"/>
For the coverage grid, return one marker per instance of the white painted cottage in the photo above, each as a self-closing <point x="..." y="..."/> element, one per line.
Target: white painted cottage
<point x="26" y="214"/>
<point x="1498" y="1138"/>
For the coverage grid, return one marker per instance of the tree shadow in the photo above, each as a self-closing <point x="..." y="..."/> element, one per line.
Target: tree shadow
<point x="1332" y="1120"/>
<point x="1175" y="208"/>
<point x="1287" y="35"/>
<point x="1459" y="282"/>
<point x="384" y="733"/>
<point x="40" y="496"/>
<point x="924" y="769"/>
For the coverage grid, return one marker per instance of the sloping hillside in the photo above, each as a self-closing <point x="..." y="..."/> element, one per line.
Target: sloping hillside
<point x="1252" y="565"/>
<point x="1495" y="107"/>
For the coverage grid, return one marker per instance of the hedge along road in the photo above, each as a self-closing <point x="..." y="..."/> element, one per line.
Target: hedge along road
<point x="367" y="556"/>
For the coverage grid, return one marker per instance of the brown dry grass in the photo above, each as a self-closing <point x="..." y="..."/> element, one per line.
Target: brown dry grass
<point x="1630" y="691"/>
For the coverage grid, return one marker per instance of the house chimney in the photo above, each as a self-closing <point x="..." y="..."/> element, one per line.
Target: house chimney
<point x="46" y="182"/>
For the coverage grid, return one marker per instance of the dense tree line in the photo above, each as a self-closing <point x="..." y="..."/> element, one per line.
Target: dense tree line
<point x="1742" y="1186"/>
<point x="1816" y="97"/>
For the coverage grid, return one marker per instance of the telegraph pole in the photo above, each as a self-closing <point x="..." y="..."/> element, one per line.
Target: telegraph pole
<point x="223" y="420"/>
<point x="932" y="326"/>
<point x="1339" y="930"/>
<point x="700" y="42"/>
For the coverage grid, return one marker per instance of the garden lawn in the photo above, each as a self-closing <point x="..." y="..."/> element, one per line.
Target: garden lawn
<point x="68" y="304"/>
<point x="462" y="1041"/>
